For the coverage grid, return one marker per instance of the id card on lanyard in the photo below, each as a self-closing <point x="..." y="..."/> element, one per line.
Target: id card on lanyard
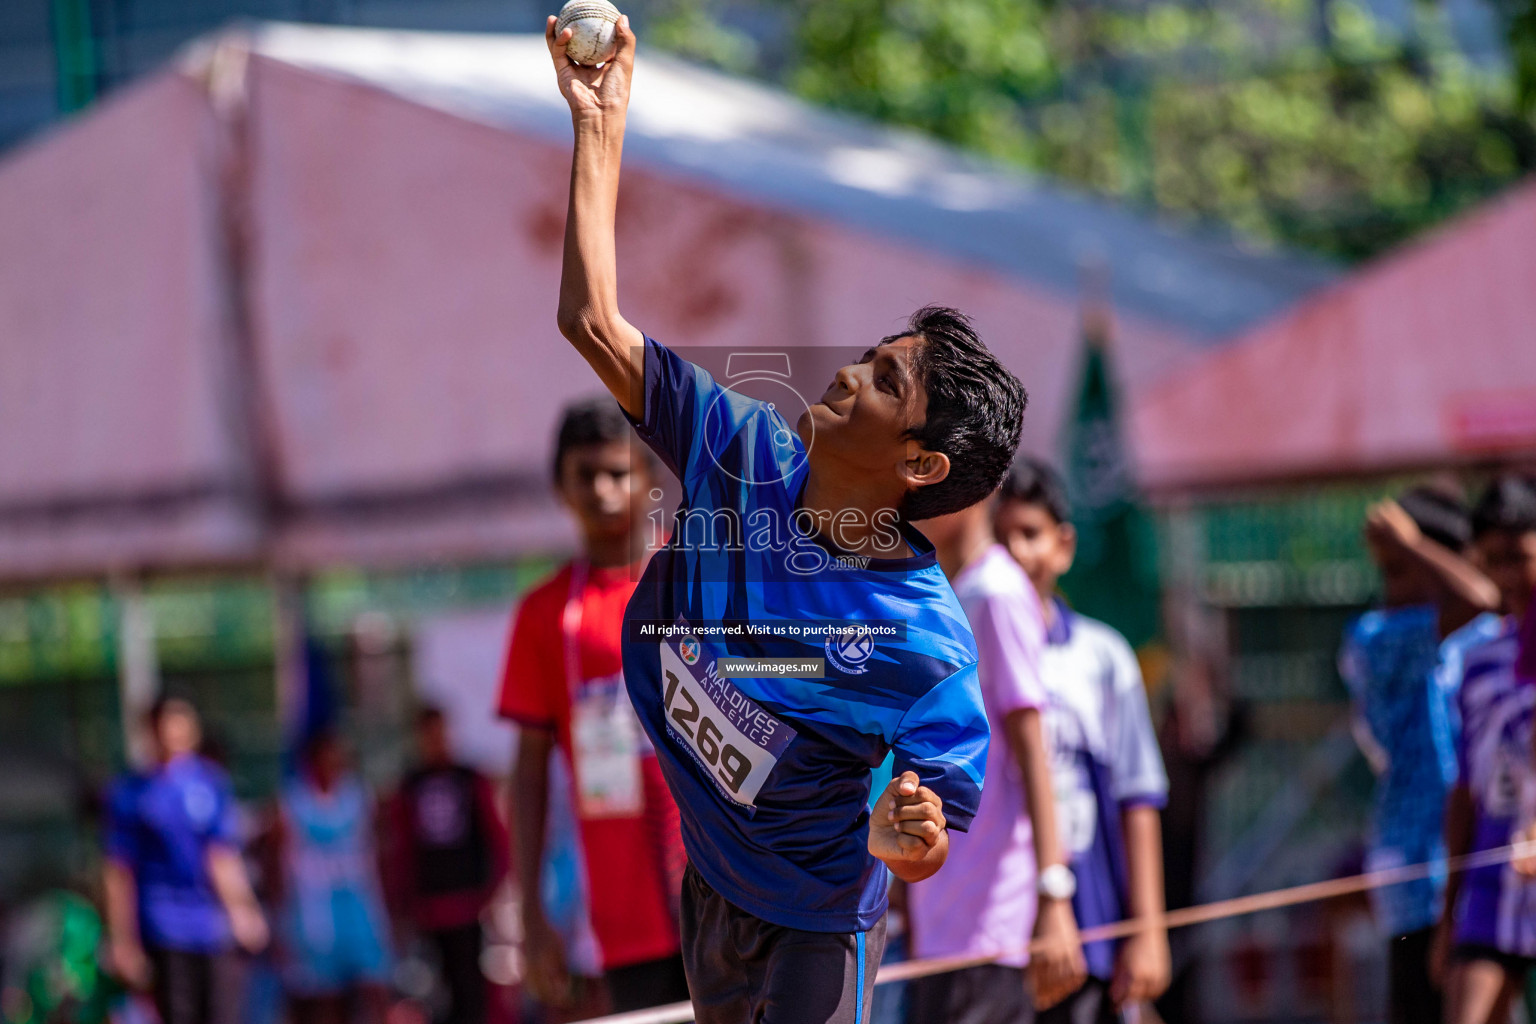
<point x="605" y="734"/>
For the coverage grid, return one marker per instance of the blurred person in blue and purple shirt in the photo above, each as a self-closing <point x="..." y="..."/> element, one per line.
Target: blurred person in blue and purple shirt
<point x="1107" y="770"/>
<point x="1486" y="944"/>
<point x="1402" y="665"/>
<point x="179" y="903"/>
<point x="997" y="893"/>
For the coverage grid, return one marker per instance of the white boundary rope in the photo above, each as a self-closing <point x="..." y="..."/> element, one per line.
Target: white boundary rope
<point x="1312" y="892"/>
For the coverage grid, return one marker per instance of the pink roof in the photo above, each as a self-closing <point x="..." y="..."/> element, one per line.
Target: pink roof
<point x="110" y="328"/>
<point x="1425" y="358"/>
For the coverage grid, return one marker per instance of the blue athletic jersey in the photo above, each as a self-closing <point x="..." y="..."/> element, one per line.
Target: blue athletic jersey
<point x="772" y="775"/>
<point x="161" y="825"/>
<point x="1404" y="679"/>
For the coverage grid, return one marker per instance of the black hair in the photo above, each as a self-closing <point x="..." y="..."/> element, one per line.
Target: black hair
<point x="594" y="421"/>
<point x="1507" y="506"/>
<point x="1036" y="482"/>
<point x="975" y="411"/>
<point x="1440" y="514"/>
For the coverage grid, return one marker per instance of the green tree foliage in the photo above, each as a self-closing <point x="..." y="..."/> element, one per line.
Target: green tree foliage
<point x="693" y="29"/>
<point x="1302" y="122"/>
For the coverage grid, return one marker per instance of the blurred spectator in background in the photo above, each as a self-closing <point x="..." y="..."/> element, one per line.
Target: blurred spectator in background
<point x="1203" y="730"/>
<point x="1109" y="780"/>
<point x="50" y="971"/>
<point x="1401" y="663"/>
<point x="448" y="853"/>
<point x="332" y="926"/>
<point x="985" y="902"/>
<point x="564" y="687"/>
<point x="179" y="903"/>
<point x="1487" y="938"/>
<point x="1525" y="665"/>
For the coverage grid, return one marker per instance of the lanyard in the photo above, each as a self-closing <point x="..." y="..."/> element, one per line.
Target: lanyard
<point x="570" y="623"/>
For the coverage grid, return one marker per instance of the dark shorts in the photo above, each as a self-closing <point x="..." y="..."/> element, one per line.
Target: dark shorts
<point x="744" y="970"/>
<point x="644" y="985"/>
<point x="458" y="955"/>
<point x="198" y="988"/>
<point x="989" y="994"/>
<point x="1088" y="1005"/>
<point x="1411" y="997"/>
<point x="1513" y="963"/>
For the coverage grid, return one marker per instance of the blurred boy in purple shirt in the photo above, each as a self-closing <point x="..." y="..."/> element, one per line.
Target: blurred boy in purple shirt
<point x="1486" y="943"/>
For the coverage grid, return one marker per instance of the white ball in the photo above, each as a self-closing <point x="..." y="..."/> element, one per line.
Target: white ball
<point x="593" y="23"/>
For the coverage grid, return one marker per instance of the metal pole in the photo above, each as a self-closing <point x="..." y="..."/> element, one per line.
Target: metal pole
<point x="138" y="666"/>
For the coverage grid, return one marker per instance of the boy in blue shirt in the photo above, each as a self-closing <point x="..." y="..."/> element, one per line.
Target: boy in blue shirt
<point x="810" y="546"/>
<point x="179" y="905"/>
<point x="1401" y="663"/>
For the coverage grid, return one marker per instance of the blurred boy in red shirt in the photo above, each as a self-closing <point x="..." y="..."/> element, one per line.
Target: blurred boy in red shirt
<point x="564" y="687"/>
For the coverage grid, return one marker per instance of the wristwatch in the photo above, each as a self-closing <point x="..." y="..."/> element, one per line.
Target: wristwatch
<point x="1057" y="882"/>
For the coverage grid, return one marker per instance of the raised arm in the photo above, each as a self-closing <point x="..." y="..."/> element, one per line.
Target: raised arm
<point x="1464" y="591"/>
<point x="589" y="295"/>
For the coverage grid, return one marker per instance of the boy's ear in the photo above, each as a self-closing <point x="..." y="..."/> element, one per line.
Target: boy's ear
<point x="923" y="468"/>
<point x="1068" y="545"/>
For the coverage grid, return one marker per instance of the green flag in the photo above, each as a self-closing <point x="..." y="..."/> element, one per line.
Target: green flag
<point x="74" y="49"/>
<point x="1114" y="577"/>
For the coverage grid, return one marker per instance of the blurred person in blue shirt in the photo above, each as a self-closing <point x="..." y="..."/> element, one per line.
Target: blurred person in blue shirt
<point x="1402" y="665"/>
<point x="333" y="931"/>
<point x="179" y="903"/>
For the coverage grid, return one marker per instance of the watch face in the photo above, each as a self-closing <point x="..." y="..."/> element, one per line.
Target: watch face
<point x="1058" y="882"/>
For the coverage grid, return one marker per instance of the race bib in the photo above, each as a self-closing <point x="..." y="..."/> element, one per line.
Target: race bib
<point x="1077" y="808"/>
<point x="605" y="742"/>
<point x="1077" y="811"/>
<point x="1501" y="798"/>
<point x="735" y="740"/>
